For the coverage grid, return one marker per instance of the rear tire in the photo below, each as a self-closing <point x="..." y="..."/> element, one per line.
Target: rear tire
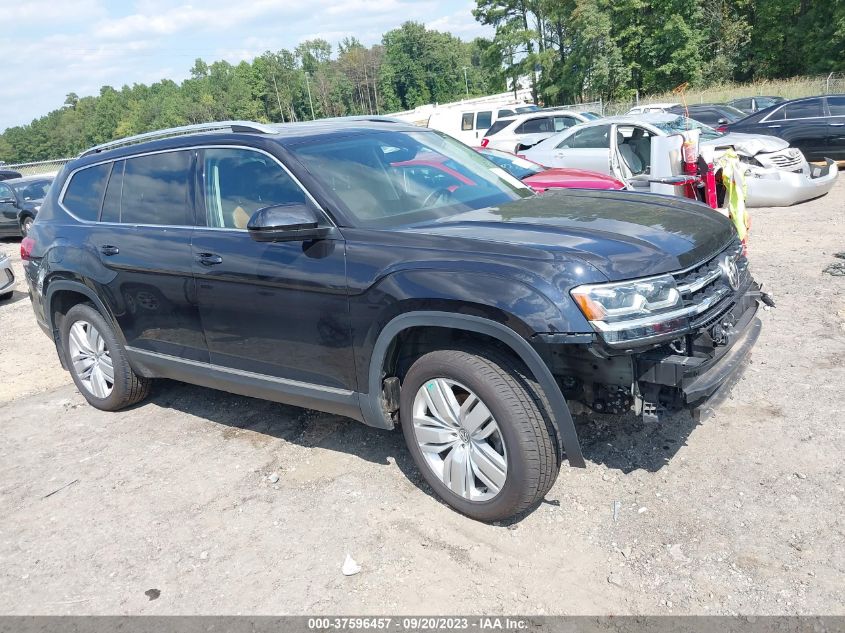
<point x="485" y="474"/>
<point x="6" y="295"/>
<point x="97" y="361"/>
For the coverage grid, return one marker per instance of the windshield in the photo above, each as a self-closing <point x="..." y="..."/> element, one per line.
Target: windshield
<point x="395" y="178"/>
<point x="590" y="116"/>
<point x="681" y="124"/>
<point x="514" y="165"/>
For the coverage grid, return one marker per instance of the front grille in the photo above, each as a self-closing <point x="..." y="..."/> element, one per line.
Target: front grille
<point x="784" y="160"/>
<point x="706" y="287"/>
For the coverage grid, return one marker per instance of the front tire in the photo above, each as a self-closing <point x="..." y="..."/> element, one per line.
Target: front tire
<point x="26" y="225"/>
<point x="478" y="431"/>
<point x="97" y="361"/>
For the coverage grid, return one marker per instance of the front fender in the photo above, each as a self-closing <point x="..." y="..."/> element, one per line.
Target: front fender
<point x="519" y="306"/>
<point x="372" y="405"/>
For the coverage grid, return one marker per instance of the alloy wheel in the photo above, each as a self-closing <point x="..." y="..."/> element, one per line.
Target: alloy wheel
<point x="460" y="439"/>
<point x="91" y="360"/>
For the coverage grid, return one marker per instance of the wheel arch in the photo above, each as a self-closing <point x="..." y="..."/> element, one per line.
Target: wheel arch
<point x="61" y="296"/>
<point x="372" y="401"/>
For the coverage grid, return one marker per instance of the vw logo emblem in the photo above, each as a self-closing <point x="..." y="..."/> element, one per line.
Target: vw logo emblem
<point x="730" y="272"/>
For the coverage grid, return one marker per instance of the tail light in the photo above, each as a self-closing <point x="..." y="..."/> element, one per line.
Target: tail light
<point x="27" y="244"/>
<point x="722" y="128"/>
<point x="485" y="142"/>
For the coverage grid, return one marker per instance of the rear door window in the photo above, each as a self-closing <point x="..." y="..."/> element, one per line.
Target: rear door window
<point x="466" y="121"/>
<point x="801" y="110"/>
<point x="536" y="125"/>
<point x="562" y="123"/>
<point x="836" y="105"/>
<point x="597" y="137"/>
<point x="84" y="193"/>
<point x="483" y="120"/>
<point x="155" y="190"/>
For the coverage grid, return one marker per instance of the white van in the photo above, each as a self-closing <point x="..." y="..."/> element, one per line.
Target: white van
<point x="469" y="123"/>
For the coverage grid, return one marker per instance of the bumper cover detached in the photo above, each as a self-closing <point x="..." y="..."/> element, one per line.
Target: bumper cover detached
<point x="702" y="380"/>
<point x="772" y="187"/>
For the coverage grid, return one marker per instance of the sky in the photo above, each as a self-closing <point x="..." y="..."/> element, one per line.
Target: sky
<point x="52" y="47"/>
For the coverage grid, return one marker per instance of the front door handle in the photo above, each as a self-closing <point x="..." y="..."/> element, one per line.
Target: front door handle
<point x="774" y="126"/>
<point x="836" y="124"/>
<point x="108" y="250"/>
<point x="209" y="259"/>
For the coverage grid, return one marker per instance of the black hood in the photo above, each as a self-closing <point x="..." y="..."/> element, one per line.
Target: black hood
<point x="622" y="234"/>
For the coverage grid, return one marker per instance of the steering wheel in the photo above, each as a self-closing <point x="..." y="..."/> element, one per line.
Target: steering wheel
<point x="436" y="195"/>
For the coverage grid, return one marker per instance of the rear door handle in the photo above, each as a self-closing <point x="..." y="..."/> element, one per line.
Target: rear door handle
<point x="209" y="259"/>
<point x="774" y="126"/>
<point x="836" y="124"/>
<point x="108" y="250"/>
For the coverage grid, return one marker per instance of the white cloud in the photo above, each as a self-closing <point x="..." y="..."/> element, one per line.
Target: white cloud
<point x="18" y="13"/>
<point x="63" y="46"/>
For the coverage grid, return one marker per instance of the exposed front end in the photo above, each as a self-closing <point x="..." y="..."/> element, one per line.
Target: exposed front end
<point x="663" y="343"/>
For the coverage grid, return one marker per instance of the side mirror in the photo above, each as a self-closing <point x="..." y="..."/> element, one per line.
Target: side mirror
<point x="286" y="223"/>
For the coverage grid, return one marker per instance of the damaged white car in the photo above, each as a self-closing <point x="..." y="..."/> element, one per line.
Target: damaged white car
<point x="776" y="174"/>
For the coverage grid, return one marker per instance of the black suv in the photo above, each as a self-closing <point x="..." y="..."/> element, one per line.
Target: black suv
<point x="330" y="265"/>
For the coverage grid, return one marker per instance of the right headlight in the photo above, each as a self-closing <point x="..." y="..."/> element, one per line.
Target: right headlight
<point x="628" y="311"/>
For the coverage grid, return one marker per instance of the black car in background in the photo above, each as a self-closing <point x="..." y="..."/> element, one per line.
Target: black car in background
<point x="749" y="105"/>
<point x="815" y="125"/>
<point x="716" y="115"/>
<point x="6" y="174"/>
<point x="20" y="200"/>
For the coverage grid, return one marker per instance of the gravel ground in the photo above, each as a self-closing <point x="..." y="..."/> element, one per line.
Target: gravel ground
<point x="228" y="505"/>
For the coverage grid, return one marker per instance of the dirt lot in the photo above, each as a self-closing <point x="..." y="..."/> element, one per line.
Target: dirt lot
<point x="739" y="514"/>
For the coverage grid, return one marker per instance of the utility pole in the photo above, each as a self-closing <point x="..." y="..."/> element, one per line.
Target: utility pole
<point x="466" y="81"/>
<point x="310" y="102"/>
<point x="278" y="100"/>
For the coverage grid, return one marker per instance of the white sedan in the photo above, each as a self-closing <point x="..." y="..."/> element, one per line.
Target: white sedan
<point x="514" y="134"/>
<point x="776" y="174"/>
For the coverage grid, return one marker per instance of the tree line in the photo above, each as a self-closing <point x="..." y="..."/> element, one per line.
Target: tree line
<point x="567" y="50"/>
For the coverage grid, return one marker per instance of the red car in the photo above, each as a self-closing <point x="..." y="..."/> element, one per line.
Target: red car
<point x="540" y="178"/>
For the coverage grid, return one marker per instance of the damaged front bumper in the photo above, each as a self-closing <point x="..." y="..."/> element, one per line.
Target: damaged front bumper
<point x="705" y="374"/>
<point x="773" y="187"/>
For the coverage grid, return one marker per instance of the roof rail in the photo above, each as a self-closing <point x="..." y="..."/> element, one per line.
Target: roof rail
<point x="234" y="126"/>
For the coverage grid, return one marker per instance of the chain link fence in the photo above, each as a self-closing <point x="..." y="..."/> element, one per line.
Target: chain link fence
<point x="37" y="168"/>
<point x="833" y="83"/>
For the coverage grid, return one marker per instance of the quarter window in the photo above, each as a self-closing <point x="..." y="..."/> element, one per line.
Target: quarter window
<point x="155" y="189"/>
<point x="111" y="201"/>
<point x="85" y="191"/>
<point x="466" y="121"/>
<point x="239" y="182"/>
